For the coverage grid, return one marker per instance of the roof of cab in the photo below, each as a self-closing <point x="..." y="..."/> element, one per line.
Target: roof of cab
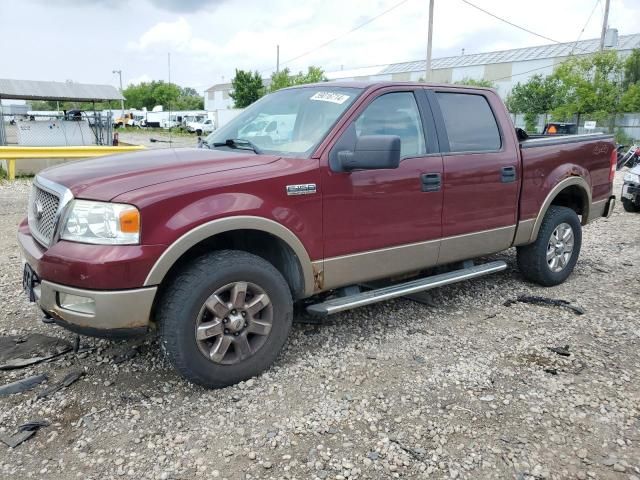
<point x="376" y="85"/>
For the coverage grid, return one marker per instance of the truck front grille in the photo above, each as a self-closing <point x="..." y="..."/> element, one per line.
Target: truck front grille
<point x="42" y="215"/>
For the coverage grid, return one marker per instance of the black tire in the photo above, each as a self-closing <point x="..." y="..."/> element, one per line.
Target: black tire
<point x="630" y="206"/>
<point x="183" y="301"/>
<point x="532" y="259"/>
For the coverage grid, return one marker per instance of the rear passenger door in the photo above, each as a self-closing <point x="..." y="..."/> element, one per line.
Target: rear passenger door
<point x="481" y="174"/>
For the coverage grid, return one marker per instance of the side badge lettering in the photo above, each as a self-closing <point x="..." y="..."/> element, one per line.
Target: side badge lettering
<point x="302" y="189"/>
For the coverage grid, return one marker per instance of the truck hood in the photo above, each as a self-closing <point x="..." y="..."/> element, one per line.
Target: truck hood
<point x="107" y="177"/>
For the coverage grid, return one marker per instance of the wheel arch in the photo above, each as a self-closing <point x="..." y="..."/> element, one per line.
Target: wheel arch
<point x="261" y="236"/>
<point x="573" y="192"/>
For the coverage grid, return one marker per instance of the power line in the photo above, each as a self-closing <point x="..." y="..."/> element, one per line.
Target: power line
<point x="595" y="5"/>
<point x="372" y="19"/>
<point x="510" y="23"/>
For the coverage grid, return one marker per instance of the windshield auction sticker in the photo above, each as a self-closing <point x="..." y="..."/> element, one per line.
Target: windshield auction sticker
<point x="332" y="97"/>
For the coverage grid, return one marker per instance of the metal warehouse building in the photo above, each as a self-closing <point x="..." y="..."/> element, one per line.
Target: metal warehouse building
<point x="504" y="68"/>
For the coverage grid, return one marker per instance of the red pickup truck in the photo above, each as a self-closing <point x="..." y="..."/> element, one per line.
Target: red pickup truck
<point x="342" y="185"/>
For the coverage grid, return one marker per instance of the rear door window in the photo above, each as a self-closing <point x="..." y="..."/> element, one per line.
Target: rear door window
<point x="470" y="124"/>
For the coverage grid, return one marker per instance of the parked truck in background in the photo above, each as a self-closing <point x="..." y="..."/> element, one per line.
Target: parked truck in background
<point x="371" y="181"/>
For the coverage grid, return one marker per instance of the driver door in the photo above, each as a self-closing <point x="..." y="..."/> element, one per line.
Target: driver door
<point x="379" y="223"/>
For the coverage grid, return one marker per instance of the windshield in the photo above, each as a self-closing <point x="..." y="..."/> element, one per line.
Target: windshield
<point x="288" y="122"/>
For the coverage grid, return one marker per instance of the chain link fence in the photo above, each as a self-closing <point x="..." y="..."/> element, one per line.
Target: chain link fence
<point x="47" y="129"/>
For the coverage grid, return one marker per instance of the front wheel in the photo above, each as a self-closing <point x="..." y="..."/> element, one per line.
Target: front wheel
<point x="225" y="318"/>
<point x="551" y="258"/>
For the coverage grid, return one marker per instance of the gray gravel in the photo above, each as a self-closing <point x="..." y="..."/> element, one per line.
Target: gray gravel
<point x="465" y="388"/>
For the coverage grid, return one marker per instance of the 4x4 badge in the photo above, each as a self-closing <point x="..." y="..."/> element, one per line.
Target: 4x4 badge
<point x="302" y="189"/>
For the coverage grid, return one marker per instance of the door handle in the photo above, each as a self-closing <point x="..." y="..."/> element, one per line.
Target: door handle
<point x="431" y="182"/>
<point x="508" y="174"/>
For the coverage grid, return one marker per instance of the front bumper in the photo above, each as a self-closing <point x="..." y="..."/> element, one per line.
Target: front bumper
<point x="105" y="313"/>
<point x="631" y="191"/>
<point x="115" y="304"/>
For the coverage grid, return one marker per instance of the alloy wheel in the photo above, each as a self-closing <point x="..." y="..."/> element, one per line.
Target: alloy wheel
<point x="234" y="323"/>
<point x="560" y="247"/>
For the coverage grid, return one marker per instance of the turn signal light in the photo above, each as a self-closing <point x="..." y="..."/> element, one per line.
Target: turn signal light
<point x="130" y="221"/>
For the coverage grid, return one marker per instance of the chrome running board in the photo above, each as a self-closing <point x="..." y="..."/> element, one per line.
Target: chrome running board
<point x="341" y="304"/>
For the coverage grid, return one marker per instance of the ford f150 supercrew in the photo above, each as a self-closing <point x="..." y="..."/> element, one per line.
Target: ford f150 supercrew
<point x="359" y="192"/>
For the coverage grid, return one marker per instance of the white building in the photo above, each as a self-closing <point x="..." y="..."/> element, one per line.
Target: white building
<point x="503" y="68"/>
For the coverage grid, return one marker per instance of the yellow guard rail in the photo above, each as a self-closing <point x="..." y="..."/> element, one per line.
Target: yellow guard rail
<point x="13" y="153"/>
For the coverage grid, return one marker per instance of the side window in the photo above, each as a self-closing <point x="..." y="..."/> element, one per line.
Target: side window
<point x="471" y="126"/>
<point x="394" y="114"/>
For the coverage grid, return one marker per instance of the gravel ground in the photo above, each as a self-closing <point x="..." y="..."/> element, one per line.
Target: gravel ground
<point x="462" y="388"/>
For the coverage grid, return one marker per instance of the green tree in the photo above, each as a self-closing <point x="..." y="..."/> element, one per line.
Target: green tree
<point x="589" y="85"/>
<point x="472" y="82"/>
<point x="632" y="68"/>
<point x="630" y="100"/>
<point x="281" y="79"/>
<point x="150" y="94"/>
<point x="539" y="95"/>
<point x="247" y="87"/>
<point x="284" y="78"/>
<point x="313" y="75"/>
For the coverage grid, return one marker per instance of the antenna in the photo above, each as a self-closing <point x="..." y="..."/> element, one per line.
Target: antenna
<point x="169" y="71"/>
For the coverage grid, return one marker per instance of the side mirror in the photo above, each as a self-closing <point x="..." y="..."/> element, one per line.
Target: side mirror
<point x="372" y="152"/>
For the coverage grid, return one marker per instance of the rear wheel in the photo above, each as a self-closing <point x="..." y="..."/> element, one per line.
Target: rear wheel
<point x="630" y="206"/>
<point x="551" y="258"/>
<point x="225" y="318"/>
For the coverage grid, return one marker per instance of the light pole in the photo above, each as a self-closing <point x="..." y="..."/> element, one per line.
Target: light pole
<point x="119" y="72"/>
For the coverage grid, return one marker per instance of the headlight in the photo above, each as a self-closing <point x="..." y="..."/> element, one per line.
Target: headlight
<point x="631" y="177"/>
<point x="101" y="223"/>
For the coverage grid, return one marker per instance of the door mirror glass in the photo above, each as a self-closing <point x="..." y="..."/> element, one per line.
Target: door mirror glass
<point x="372" y="152"/>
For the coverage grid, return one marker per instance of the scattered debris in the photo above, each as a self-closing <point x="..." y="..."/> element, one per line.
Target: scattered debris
<point x="419" y="359"/>
<point x="23" y="351"/>
<point x="128" y="355"/>
<point x="24" y="432"/>
<point x="417" y="453"/>
<point x="533" y="300"/>
<point x="22" y="385"/>
<point x="562" y="351"/>
<point x="552" y="371"/>
<point x="69" y="379"/>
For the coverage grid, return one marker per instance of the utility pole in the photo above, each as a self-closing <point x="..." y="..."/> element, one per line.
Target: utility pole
<point x="119" y="72"/>
<point x="427" y="71"/>
<point x="604" y="24"/>
<point x="277" y="58"/>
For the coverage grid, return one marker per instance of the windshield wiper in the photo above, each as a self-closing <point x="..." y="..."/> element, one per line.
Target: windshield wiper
<point x="240" y="143"/>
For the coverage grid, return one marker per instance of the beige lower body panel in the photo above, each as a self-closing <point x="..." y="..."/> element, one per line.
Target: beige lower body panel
<point x="597" y="210"/>
<point x="471" y="245"/>
<point x="404" y="259"/>
<point x="524" y="232"/>
<point x="114" y="310"/>
<point x="376" y="264"/>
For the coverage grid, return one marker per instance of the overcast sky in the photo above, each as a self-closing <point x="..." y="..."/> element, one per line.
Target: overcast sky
<point x="84" y="40"/>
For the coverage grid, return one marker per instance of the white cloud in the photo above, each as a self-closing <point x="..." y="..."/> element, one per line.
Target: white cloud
<point x="139" y="79"/>
<point x="174" y="36"/>
<point x="222" y="36"/>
